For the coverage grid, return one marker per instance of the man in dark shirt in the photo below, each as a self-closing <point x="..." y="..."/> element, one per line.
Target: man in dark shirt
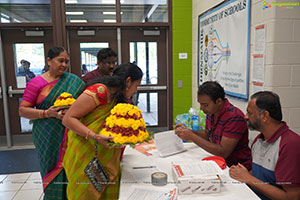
<point x="24" y="70"/>
<point x="226" y="131"/>
<point x="106" y="61"/>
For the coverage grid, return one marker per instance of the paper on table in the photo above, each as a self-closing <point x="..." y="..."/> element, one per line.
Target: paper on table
<point x="146" y="148"/>
<point x="146" y="193"/>
<point x="167" y="143"/>
<point x="203" y="169"/>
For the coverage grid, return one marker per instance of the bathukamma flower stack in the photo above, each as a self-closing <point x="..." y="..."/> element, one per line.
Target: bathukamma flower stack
<point x="126" y="125"/>
<point x="64" y="99"/>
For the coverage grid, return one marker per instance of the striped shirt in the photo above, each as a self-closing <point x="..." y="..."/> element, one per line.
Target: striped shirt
<point x="231" y="123"/>
<point x="277" y="160"/>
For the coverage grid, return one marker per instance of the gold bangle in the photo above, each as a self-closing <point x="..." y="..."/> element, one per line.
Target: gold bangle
<point x="87" y="134"/>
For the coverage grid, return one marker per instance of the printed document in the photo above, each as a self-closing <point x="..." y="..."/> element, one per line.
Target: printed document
<point x="168" y="143"/>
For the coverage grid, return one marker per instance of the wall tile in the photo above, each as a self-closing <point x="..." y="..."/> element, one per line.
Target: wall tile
<point x="289" y="96"/>
<point x="285" y="114"/>
<point x="279" y="31"/>
<point x="282" y="53"/>
<point x="296" y="33"/>
<point x="294" y="118"/>
<point x="295" y="75"/>
<point x="277" y="75"/>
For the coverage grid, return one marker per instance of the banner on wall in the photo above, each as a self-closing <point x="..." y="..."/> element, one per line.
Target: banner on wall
<point x="223" y="43"/>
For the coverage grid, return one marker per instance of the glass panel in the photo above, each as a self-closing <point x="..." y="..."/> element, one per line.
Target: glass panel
<point x="24" y="11"/>
<point x="26" y="125"/>
<point x="29" y="62"/>
<point x="83" y="11"/>
<point x="144" y="54"/>
<point x="144" y="11"/>
<point x="89" y="52"/>
<point x="147" y="102"/>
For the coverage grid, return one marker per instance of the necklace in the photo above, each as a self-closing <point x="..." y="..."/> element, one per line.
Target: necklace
<point x="49" y="77"/>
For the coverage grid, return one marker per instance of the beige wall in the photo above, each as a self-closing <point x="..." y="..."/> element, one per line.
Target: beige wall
<point x="282" y="55"/>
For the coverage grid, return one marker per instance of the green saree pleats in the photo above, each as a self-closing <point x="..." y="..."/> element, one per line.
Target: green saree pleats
<point x="48" y="134"/>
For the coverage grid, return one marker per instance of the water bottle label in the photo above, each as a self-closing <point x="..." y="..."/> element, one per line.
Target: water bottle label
<point x="195" y="120"/>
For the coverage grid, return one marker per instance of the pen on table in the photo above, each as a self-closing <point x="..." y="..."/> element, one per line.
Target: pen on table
<point x="143" y="167"/>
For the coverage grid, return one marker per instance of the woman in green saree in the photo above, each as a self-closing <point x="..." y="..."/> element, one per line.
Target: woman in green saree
<point x="47" y="132"/>
<point x="85" y="119"/>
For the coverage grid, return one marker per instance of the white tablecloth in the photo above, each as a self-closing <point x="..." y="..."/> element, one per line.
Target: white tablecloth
<point x="230" y="188"/>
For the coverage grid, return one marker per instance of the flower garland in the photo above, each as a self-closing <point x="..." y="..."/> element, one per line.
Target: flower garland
<point x="126" y="125"/>
<point x="64" y="99"/>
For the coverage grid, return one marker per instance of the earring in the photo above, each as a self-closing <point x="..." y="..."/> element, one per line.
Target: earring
<point x="126" y="88"/>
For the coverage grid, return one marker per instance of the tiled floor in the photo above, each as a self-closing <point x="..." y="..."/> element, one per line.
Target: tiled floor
<point x="23" y="186"/>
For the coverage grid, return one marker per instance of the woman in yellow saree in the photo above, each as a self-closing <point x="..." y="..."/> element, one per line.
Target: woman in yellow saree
<point x="85" y="119"/>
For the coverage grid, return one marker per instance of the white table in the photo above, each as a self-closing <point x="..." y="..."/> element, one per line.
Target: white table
<point x="230" y="188"/>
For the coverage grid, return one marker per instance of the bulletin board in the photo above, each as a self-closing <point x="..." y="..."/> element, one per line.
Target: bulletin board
<point x="223" y="46"/>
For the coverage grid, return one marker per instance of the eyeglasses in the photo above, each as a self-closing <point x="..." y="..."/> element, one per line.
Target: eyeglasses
<point x="110" y="63"/>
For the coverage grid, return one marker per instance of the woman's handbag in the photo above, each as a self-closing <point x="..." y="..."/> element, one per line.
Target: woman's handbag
<point x="96" y="172"/>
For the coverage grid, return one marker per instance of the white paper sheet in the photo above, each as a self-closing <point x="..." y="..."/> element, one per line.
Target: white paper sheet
<point x="21" y="81"/>
<point x="203" y="169"/>
<point x="168" y="143"/>
<point x="146" y="193"/>
<point x="259" y="42"/>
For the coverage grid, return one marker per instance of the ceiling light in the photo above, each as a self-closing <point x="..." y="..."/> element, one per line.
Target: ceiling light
<point x="74" y="13"/>
<point x="108" y="1"/>
<point x="110" y="13"/>
<point x="70" y="1"/>
<point x="109" y="20"/>
<point x="78" y="21"/>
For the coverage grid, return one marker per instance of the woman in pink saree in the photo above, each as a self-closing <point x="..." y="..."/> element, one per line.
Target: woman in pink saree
<point x="48" y="131"/>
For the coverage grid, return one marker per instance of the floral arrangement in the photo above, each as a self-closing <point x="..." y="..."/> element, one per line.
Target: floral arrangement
<point x="64" y="99"/>
<point x="126" y="125"/>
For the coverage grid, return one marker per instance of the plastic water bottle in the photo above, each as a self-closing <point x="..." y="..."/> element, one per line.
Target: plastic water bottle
<point x="194" y="118"/>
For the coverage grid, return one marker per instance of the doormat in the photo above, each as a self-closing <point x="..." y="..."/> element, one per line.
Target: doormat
<point x="19" y="161"/>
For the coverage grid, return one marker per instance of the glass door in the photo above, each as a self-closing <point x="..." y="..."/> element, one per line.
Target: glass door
<point x="84" y="46"/>
<point x="24" y="58"/>
<point x="147" y="48"/>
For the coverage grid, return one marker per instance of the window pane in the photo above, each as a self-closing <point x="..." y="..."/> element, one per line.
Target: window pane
<point x="144" y="54"/>
<point x="29" y="62"/>
<point x="147" y="102"/>
<point x="144" y="11"/>
<point x="89" y="52"/>
<point x="83" y="11"/>
<point x="24" y="11"/>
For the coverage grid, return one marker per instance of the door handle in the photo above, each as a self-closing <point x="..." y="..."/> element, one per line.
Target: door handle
<point x="11" y="92"/>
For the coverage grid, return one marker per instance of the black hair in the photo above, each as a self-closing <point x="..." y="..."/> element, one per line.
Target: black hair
<point x="269" y="101"/>
<point x="55" y="51"/>
<point x="105" y="53"/>
<point x="212" y="89"/>
<point x="118" y="79"/>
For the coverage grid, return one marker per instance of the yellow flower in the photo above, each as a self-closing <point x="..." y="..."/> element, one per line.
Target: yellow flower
<point x="135" y="126"/>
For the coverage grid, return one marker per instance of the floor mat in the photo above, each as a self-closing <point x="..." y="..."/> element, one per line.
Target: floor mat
<point x="18" y="161"/>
